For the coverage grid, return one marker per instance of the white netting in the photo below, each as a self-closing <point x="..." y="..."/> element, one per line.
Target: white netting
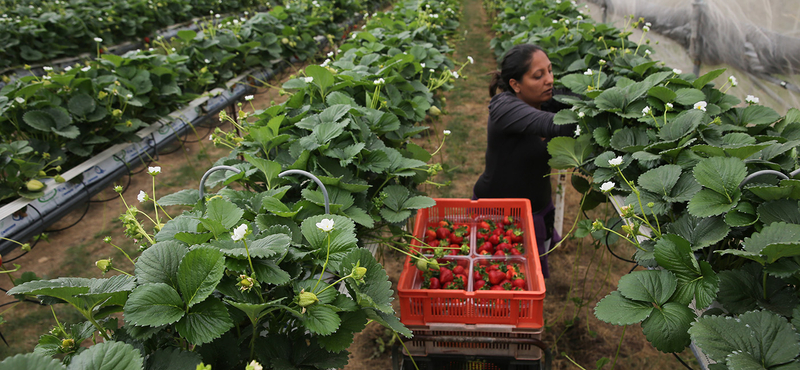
<point x="757" y="40"/>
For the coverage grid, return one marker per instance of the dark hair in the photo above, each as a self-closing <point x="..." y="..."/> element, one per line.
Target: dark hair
<point x="514" y="65"/>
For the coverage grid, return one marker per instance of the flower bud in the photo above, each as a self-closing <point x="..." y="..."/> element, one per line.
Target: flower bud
<point x="306" y="299"/>
<point x="26" y="247"/>
<point x="67" y="344"/>
<point x="101" y="95"/>
<point x="434" y="111"/>
<point x="104" y="265"/>
<point x="359" y="272"/>
<point x="59" y="179"/>
<point x="34" y="185"/>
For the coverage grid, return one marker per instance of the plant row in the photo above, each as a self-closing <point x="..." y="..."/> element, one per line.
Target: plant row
<point x="253" y="275"/>
<point x="703" y="180"/>
<point x="38" y="31"/>
<point x="53" y="122"/>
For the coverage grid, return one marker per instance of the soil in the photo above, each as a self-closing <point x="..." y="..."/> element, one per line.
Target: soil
<point x="581" y="272"/>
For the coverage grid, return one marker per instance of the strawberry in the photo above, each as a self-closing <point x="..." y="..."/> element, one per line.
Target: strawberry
<point x="445" y="275"/>
<point x="455" y="238"/>
<point x="430" y="234"/>
<point x="518" y="283"/>
<point x="496" y="287"/>
<point x="478" y="284"/>
<point x="476" y="275"/>
<point x="463" y="263"/>
<point x="508" y="220"/>
<point x="484" y="225"/>
<point x="487" y="246"/>
<point x="433" y="283"/>
<point x="496" y="277"/>
<point x="500" y="253"/>
<point x="494" y="239"/>
<point x="515" y="252"/>
<point x="443" y="233"/>
<point x="458" y="270"/>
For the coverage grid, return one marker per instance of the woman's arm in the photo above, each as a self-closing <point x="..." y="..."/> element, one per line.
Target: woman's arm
<point x="513" y="116"/>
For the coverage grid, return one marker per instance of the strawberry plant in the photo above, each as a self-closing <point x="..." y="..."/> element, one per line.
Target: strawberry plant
<point x="704" y="182"/>
<point x="254" y="275"/>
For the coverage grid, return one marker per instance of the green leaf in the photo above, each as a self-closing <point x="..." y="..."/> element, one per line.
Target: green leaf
<point x="352" y="322"/>
<point x="682" y="125"/>
<point x="765" y="336"/>
<point x="187" y="35"/>
<point x="159" y="263"/>
<point x="721" y="174"/>
<point x="689" y="96"/>
<point x="389" y="320"/>
<point x="173" y="359"/>
<point x="322" y="76"/>
<point x="277" y="207"/>
<point x="154" y="305"/>
<point x="254" y="311"/>
<point x="81" y="104"/>
<point x="204" y="322"/>
<point x="654" y="286"/>
<point x="696" y="279"/>
<point x="618" y="310"/>
<point x="268" y="246"/>
<point x="701" y="81"/>
<point x="224" y="212"/>
<point x="108" y="356"/>
<point x="744" y="214"/>
<point x="662" y="93"/>
<point x="660" y="180"/>
<point x="700" y="232"/>
<point x="31" y="361"/>
<point x="320" y="320"/>
<point x="707" y="203"/>
<point x="758" y="115"/>
<point x="667" y="328"/>
<point x="185" y="197"/>
<point x="630" y="139"/>
<point x="376" y="290"/>
<point x="342" y="237"/>
<point x="39" y="120"/>
<point x="774" y="233"/>
<point x="199" y="273"/>
<point x="782" y="210"/>
<point x="567" y="152"/>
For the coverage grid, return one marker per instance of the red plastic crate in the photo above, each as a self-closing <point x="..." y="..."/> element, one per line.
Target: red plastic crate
<point x="521" y="309"/>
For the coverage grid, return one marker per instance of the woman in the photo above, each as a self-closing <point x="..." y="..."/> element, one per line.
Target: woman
<point x="520" y="124"/>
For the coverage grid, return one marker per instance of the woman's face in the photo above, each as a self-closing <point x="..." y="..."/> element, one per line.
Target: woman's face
<point x="536" y="86"/>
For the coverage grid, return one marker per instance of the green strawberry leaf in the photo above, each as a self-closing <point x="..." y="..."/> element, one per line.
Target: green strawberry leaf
<point x="224" y="212"/>
<point x="154" y="305"/>
<point x="720" y="174"/>
<point x="376" y="290"/>
<point x="320" y="320"/>
<point x="660" y="180"/>
<point x="618" y="310"/>
<point x="199" y="273"/>
<point x="31" y="361"/>
<point x="205" y="321"/>
<point x="108" y="356"/>
<point x="654" y="286"/>
<point x="767" y="338"/>
<point x="667" y="327"/>
<point x="159" y="263"/>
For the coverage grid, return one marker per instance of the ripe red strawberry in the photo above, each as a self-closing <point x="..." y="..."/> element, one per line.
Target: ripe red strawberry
<point x="500" y="253"/>
<point x="518" y="283"/>
<point x="458" y="270"/>
<point x="494" y="239"/>
<point x="434" y="283"/>
<point x="515" y="252"/>
<point x="445" y="275"/>
<point x="496" y="277"/>
<point x="478" y="284"/>
<point x="430" y="234"/>
<point x="443" y="233"/>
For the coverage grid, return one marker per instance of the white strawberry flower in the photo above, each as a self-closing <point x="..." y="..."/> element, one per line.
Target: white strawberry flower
<point x="646" y="111"/>
<point x="577" y="131"/>
<point x="581" y="114"/>
<point x="701" y="105"/>
<point x="20" y="100"/>
<point x="471" y="61"/>
<point x="647" y="52"/>
<point x="86" y="69"/>
<point x="669" y="106"/>
<point x="455" y="74"/>
<point x="47" y="68"/>
<point x="677" y="71"/>
<point x="142" y="196"/>
<point x="155" y="170"/>
<point x="325" y="225"/>
<point x="733" y="81"/>
<point x="239" y="232"/>
<point x="750" y="99"/>
<point x="607" y="186"/>
<point x="248" y="98"/>
<point x="97" y="39"/>
<point x="615" y="161"/>
<point x="308" y="79"/>
<point x="422" y="65"/>
<point x="446" y="132"/>
<point x="588" y="72"/>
